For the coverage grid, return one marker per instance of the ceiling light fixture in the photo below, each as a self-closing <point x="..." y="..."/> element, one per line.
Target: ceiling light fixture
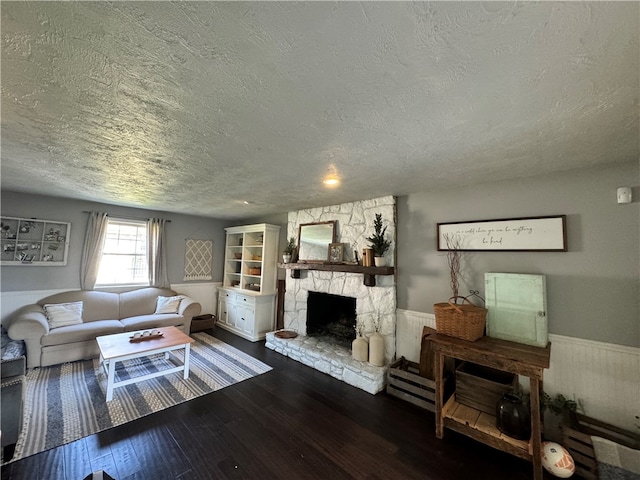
<point x="332" y="178"/>
<point x="331" y="181"/>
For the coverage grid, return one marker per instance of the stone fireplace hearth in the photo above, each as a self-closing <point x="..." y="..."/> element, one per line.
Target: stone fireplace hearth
<point x="375" y="307"/>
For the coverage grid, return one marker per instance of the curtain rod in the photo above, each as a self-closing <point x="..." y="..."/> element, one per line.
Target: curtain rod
<point x="124" y="217"/>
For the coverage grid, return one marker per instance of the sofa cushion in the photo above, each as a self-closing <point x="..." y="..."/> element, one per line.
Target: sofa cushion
<point x="143" y="322"/>
<point x="168" y="304"/>
<point x="63" y="314"/>
<point x="141" y="301"/>
<point x="13" y="350"/>
<point x="96" y="305"/>
<point x="81" y="332"/>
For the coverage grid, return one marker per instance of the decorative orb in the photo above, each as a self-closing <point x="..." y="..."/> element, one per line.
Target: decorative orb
<point x="557" y="460"/>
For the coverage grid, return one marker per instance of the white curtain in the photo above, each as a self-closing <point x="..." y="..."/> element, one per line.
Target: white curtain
<point x="157" y="253"/>
<point x="92" y="251"/>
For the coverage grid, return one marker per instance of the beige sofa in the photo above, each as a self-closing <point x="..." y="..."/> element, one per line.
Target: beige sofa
<point x="103" y="313"/>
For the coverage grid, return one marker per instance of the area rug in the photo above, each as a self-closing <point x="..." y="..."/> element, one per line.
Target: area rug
<point x="64" y="403"/>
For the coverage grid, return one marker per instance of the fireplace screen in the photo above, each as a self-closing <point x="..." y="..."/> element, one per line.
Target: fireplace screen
<point x="331" y="316"/>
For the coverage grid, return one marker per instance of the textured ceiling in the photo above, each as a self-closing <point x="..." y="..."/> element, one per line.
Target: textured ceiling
<point x="195" y="107"/>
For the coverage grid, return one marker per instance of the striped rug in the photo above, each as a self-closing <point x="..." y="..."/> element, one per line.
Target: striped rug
<point x="66" y="402"/>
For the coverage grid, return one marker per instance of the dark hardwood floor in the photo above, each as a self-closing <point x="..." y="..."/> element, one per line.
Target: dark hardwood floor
<point x="291" y="423"/>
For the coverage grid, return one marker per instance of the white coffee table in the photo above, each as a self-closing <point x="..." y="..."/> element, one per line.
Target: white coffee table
<point x="117" y="348"/>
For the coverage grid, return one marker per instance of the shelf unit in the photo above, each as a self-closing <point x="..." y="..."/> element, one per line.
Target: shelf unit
<point x="369" y="273"/>
<point x="29" y="241"/>
<point x="482" y="426"/>
<point x="250" y="258"/>
<point x="521" y="359"/>
<point x="246" y="300"/>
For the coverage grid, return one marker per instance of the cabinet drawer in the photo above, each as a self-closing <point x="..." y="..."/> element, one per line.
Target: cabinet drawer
<point x="245" y="300"/>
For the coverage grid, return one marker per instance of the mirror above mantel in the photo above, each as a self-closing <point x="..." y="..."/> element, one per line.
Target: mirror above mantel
<point x="314" y="240"/>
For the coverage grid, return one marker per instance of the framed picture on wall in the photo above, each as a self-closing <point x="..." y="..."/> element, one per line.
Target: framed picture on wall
<point x="531" y="234"/>
<point x="29" y="241"/>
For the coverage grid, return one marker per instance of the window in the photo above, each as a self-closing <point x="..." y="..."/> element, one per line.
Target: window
<point x="124" y="258"/>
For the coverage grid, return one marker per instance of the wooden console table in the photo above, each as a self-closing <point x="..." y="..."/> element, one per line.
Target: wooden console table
<point x="511" y="357"/>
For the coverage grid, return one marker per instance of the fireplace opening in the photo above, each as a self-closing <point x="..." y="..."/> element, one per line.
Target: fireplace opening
<point x="331" y="316"/>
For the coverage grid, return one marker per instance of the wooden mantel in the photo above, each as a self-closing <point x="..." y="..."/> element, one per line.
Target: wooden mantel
<point x="368" y="272"/>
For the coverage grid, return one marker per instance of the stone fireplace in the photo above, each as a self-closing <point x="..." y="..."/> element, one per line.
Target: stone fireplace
<point x="375" y="307"/>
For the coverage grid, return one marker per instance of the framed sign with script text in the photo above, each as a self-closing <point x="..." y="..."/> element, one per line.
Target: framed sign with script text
<point x="532" y="234"/>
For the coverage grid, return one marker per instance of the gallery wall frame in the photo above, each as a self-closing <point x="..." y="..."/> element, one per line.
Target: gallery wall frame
<point x="525" y="234"/>
<point x="33" y="241"/>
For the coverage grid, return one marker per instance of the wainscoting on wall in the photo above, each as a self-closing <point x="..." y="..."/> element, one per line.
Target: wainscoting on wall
<point x="603" y="376"/>
<point x="12" y="301"/>
<point x="204" y="293"/>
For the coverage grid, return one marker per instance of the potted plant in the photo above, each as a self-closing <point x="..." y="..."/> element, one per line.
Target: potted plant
<point x="562" y="407"/>
<point x="379" y="244"/>
<point x="558" y="412"/>
<point x="288" y="250"/>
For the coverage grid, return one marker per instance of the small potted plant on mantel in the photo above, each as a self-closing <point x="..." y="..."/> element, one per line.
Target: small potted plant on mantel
<point x="288" y="250"/>
<point x="379" y="244"/>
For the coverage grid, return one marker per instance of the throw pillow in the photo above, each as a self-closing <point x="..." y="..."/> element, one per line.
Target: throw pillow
<point x="13" y="349"/>
<point x="63" y="314"/>
<point x="168" y="304"/>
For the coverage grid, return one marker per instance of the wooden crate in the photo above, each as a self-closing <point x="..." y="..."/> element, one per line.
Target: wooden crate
<point x="481" y="387"/>
<point x="405" y="382"/>
<point x="577" y="440"/>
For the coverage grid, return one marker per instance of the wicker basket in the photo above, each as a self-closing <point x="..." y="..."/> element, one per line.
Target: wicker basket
<point x="464" y="321"/>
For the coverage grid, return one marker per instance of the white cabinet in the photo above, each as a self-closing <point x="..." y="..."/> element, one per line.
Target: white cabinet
<point x="246" y="301"/>
<point x="250" y="259"/>
<point x="248" y="315"/>
<point x="223" y="315"/>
